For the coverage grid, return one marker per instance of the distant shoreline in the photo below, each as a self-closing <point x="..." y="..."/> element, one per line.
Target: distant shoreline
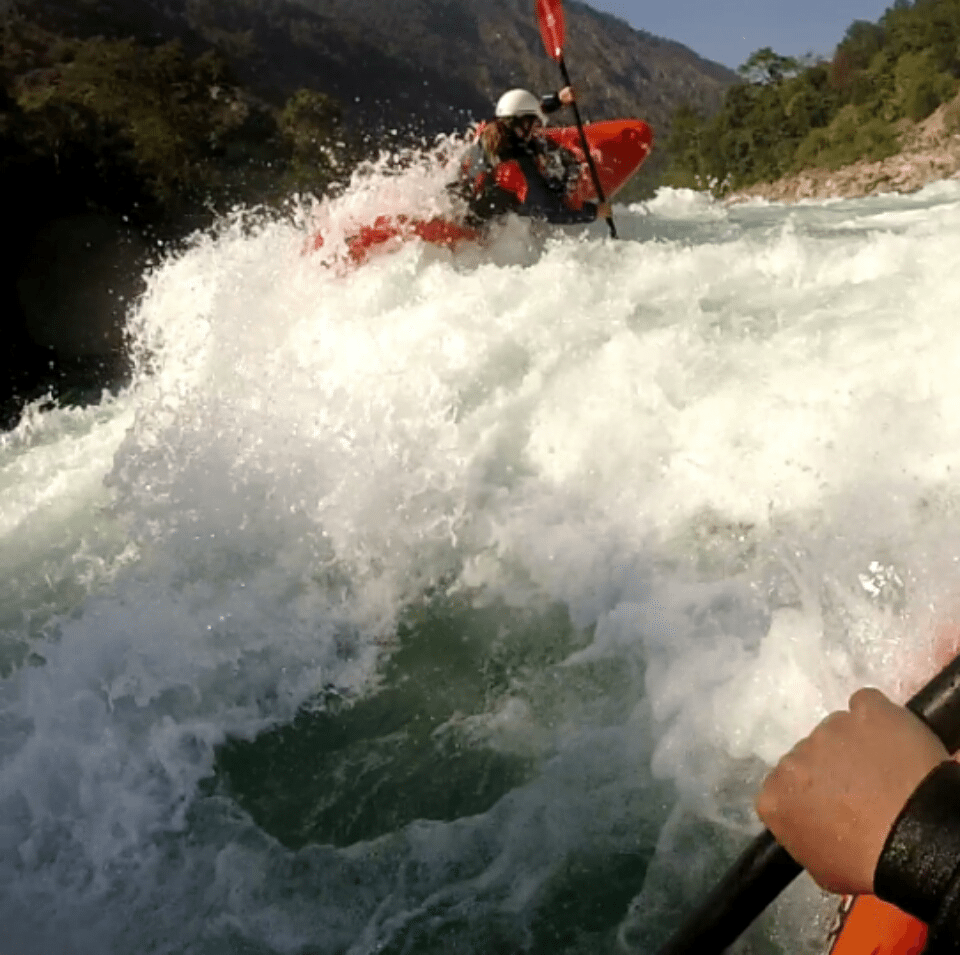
<point x="930" y="153"/>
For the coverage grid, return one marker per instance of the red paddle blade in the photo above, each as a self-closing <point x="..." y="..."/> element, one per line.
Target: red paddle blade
<point x="550" y="18"/>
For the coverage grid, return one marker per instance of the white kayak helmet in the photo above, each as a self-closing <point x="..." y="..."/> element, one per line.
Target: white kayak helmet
<point x="516" y="103"/>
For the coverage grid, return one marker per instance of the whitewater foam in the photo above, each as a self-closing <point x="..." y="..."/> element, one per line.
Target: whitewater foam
<point x="724" y="447"/>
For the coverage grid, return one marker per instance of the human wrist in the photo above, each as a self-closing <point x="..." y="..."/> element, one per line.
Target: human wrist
<point x="921" y="855"/>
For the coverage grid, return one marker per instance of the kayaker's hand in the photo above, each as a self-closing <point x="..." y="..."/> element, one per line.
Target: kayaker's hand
<point x="566" y="96"/>
<point x="604" y="210"/>
<point x="832" y="800"/>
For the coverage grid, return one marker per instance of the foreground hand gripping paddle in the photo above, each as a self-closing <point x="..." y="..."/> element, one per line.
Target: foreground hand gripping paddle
<point x="765" y="869"/>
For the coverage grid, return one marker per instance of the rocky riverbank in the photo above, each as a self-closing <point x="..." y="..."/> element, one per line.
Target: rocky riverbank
<point x="930" y="152"/>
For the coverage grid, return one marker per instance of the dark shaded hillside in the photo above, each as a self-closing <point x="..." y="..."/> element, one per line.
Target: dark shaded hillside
<point x="432" y="64"/>
<point x="414" y="65"/>
<point x="489" y="45"/>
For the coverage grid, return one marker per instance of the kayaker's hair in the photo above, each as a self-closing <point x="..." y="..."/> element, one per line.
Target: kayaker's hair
<point x="493" y="138"/>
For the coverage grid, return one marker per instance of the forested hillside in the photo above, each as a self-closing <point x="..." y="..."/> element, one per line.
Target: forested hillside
<point x="410" y="66"/>
<point x="156" y="106"/>
<point x="791" y="115"/>
<point x="109" y="143"/>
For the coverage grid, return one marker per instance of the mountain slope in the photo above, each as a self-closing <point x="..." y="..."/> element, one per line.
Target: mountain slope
<point x="491" y="45"/>
<point x="416" y="66"/>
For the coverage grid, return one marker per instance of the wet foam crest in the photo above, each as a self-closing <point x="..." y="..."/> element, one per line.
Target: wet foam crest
<point x="725" y="449"/>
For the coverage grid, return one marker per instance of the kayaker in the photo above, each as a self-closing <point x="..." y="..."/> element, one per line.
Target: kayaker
<point x="512" y="167"/>
<point x="869" y="802"/>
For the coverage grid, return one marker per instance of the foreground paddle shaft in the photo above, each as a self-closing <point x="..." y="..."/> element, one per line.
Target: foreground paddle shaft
<point x="765" y="869"/>
<point x="552" y="30"/>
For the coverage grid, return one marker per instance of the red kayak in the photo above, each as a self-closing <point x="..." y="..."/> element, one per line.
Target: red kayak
<point x="868" y="926"/>
<point x="618" y="148"/>
<point x="386" y="232"/>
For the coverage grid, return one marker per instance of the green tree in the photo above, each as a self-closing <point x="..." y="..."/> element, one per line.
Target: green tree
<point x="766" y="66"/>
<point x="687" y="149"/>
<point x="791" y="114"/>
<point x="138" y="114"/>
<point x="860" y="43"/>
<point x="311" y="123"/>
<point x="920" y="86"/>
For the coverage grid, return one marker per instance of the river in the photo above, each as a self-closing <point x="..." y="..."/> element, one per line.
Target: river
<point x="459" y="602"/>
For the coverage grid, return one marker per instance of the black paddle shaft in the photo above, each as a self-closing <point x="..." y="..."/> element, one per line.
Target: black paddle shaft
<point x="586" y="148"/>
<point x="765" y="869"/>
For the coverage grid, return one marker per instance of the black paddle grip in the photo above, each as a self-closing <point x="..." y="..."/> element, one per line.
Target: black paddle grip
<point x="765" y="869"/>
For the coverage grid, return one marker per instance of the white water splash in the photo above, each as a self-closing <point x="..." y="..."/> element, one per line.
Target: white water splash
<point x="703" y="440"/>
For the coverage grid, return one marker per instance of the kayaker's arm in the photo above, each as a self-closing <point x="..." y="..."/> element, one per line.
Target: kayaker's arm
<point x="543" y="204"/>
<point x="534" y="197"/>
<point x="563" y="215"/>
<point x="516" y="184"/>
<point x="919" y="867"/>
